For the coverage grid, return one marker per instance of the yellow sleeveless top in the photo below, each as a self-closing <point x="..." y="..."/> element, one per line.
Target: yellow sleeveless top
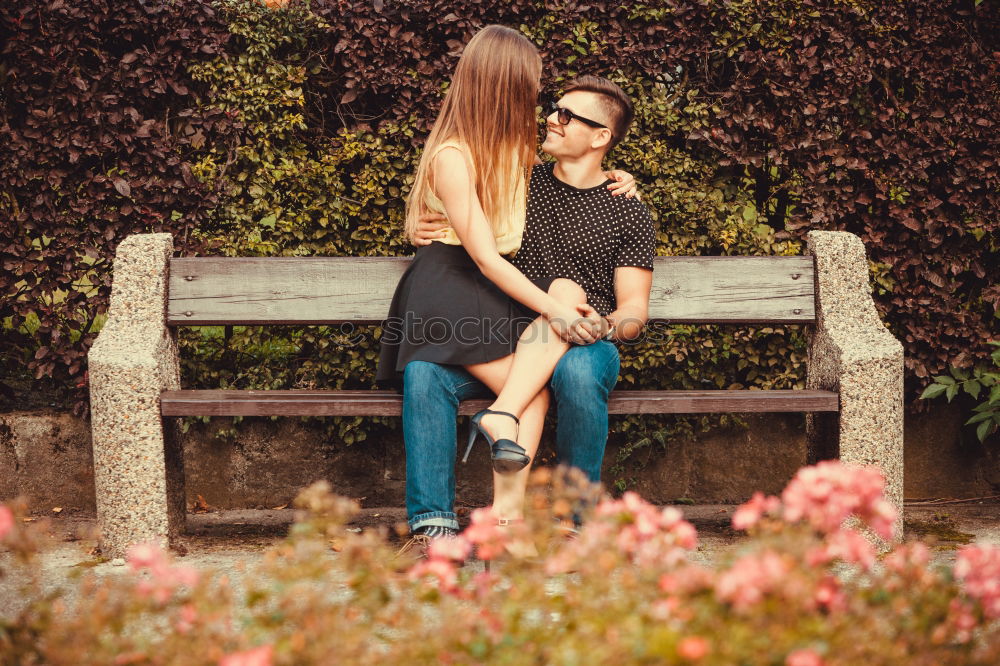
<point x="508" y="242"/>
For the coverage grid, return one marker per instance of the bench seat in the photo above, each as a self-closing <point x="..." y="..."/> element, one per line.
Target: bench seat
<point x="852" y="398"/>
<point x="302" y="402"/>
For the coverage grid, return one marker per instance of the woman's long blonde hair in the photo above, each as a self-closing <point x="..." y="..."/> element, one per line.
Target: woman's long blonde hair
<point x="490" y="108"/>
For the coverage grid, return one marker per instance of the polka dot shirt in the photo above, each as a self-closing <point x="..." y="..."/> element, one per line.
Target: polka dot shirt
<point x="583" y="235"/>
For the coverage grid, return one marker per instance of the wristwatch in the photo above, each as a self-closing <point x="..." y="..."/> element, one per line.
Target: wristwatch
<point x="611" y="331"/>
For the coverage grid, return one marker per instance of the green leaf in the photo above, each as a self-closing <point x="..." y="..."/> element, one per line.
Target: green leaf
<point x="269" y="221"/>
<point x="984" y="428"/>
<point x="951" y="391"/>
<point x="932" y="391"/>
<point x="982" y="416"/>
<point x="972" y="387"/>
<point x="944" y="379"/>
<point x="960" y="374"/>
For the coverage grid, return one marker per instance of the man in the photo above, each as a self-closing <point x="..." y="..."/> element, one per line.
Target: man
<point x="576" y="229"/>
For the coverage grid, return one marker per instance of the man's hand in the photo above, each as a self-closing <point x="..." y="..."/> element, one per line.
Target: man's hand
<point x="430" y="226"/>
<point x="591" y="327"/>
<point x="565" y="321"/>
<point x="625" y="185"/>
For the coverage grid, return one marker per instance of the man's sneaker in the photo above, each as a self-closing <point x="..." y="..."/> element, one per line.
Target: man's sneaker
<point x="418" y="544"/>
<point x="415" y="548"/>
<point x="567" y="529"/>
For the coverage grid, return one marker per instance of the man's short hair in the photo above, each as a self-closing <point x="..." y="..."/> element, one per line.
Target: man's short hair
<point x="614" y="100"/>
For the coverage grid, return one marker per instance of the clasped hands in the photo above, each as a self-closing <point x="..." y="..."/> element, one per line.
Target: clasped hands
<point x="579" y="324"/>
<point x="584" y="329"/>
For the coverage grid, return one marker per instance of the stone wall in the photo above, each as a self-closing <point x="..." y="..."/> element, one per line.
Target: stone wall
<point x="46" y="456"/>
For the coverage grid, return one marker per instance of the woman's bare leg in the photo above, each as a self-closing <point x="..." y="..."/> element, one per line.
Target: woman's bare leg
<point x="519" y="380"/>
<point x="509" y="489"/>
<point x="538" y="351"/>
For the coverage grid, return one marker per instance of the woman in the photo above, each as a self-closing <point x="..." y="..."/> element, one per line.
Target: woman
<point x="460" y="301"/>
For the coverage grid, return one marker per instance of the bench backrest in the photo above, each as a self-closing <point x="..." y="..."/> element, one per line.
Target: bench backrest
<point x="333" y="290"/>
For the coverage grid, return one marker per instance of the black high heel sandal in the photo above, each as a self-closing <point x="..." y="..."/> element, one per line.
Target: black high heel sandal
<point x="508" y="455"/>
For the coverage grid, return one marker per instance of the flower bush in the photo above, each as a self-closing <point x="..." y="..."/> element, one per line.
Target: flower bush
<point x="804" y="588"/>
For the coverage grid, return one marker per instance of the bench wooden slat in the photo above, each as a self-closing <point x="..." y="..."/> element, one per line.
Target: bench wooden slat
<point x="335" y="290"/>
<point x="301" y="402"/>
<point x="734" y="290"/>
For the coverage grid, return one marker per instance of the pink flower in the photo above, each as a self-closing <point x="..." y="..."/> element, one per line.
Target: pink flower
<point x="964" y="619"/>
<point x="914" y="555"/>
<point x="978" y="567"/>
<point x="453" y="548"/>
<point x="687" y="579"/>
<point x="747" y="514"/>
<point x="669" y="582"/>
<point x="632" y="501"/>
<point x="851" y="546"/>
<point x="686" y="535"/>
<point x="663" y="609"/>
<point x="829" y="596"/>
<point x="826" y="494"/>
<point x="163" y="578"/>
<point x="187" y="576"/>
<point x="961" y="619"/>
<point x="484" y="533"/>
<point x="751" y="577"/>
<point x="882" y="518"/>
<point x="6" y="520"/>
<point x="144" y="588"/>
<point x="443" y="570"/>
<point x="188" y="616"/>
<point x="147" y="555"/>
<point x="818" y="556"/>
<point x="161" y="593"/>
<point x="584" y="550"/>
<point x="492" y="623"/>
<point x="561" y="562"/>
<point x="259" y="656"/>
<point x="804" y="657"/>
<point x="670" y="517"/>
<point x="645" y="533"/>
<point x="693" y="648"/>
<point x="483" y="582"/>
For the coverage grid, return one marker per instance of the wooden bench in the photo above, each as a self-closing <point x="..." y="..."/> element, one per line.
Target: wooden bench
<point x="853" y="398"/>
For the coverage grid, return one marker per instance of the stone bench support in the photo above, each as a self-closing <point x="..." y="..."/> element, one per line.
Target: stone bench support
<point x="852" y="352"/>
<point x="138" y="461"/>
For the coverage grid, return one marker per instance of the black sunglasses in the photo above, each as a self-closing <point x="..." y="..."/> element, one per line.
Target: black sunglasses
<point x="565" y="115"/>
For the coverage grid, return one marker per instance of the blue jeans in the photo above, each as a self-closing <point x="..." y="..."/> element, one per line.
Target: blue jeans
<point x="580" y="385"/>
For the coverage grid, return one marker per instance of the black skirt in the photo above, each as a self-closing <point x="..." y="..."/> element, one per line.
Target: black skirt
<point x="444" y="310"/>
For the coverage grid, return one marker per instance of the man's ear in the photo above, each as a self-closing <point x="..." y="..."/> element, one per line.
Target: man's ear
<point x="601" y="139"/>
